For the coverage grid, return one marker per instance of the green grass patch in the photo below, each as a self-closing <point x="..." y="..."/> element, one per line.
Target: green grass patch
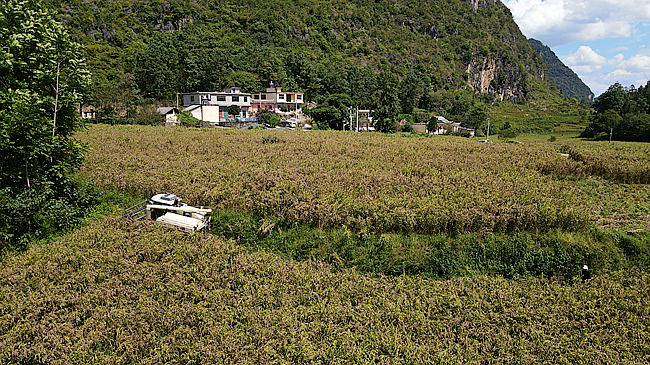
<point x="553" y="253"/>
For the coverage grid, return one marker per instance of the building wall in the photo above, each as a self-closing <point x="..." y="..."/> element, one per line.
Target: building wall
<point x="208" y="113"/>
<point x="274" y="98"/>
<point x="419" y="127"/>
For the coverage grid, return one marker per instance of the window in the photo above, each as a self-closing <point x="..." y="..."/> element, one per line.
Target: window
<point x="192" y="98"/>
<point x="235" y="99"/>
<point x="299" y="97"/>
<point x="221" y="98"/>
<point x="255" y="97"/>
<point x="281" y="96"/>
<point x="245" y="99"/>
<point x="263" y="96"/>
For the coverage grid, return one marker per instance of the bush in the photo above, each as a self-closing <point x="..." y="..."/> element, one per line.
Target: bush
<point x="188" y="120"/>
<point x="270" y="139"/>
<point x="408" y="128"/>
<point x="149" y="115"/>
<point x="37" y="214"/>
<point x="269" y="118"/>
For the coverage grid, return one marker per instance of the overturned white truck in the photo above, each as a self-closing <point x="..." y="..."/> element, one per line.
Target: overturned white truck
<point x="168" y="210"/>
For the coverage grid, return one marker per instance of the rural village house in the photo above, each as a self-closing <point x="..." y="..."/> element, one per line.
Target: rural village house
<point x="446" y="126"/>
<point x="276" y="100"/>
<point x="213" y="106"/>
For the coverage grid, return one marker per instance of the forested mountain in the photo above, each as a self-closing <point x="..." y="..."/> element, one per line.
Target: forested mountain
<point x="154" y="49"/>
<point x="562" y="76"/>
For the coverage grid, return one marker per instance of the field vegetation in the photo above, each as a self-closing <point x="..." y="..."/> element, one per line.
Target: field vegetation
<point x="441" y="206"/>
<point x="332" y="247"/>
<point x="120" y="293"/>
<point x="381" y="183"/>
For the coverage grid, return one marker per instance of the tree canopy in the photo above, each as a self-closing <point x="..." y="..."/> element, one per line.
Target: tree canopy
<point x="622" y="113"/>
<point x="333" y="112"/>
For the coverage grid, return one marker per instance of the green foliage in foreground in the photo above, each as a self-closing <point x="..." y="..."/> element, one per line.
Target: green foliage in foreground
<point x="42" y="78"/>
<point x="123" y="293"/>
<point x="442" y="256"/>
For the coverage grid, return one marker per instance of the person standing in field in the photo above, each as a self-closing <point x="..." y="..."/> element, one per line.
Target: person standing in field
<point x="586" y="275"/>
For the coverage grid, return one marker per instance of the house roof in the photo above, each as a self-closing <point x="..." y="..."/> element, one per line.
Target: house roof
<point x="191" y="107"/>
<point x="164" y="110"/>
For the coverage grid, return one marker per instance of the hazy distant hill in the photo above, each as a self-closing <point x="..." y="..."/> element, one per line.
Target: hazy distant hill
<point x="564" y="78"/>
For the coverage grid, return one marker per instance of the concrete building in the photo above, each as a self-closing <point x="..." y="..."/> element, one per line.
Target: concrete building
<point x="213" y="106"/>
<point x="276" y="100"/>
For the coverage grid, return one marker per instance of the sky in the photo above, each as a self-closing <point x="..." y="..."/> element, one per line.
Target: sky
<point x="603" y="41"/>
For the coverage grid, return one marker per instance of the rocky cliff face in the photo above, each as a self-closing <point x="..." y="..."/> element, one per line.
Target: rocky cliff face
<point x="505" y="72"/>
<point x="481" y="4"/>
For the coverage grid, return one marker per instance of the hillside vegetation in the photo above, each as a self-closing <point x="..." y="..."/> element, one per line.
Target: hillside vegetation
<point x="155" y="49"/>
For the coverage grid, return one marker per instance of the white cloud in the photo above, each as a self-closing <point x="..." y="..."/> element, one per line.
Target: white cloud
<point x="600" y="72"/>
<point x="618" y="73"/>
<point x="535" y="16"/>
<point x="558" y="22"/>
<point x="601" y="30"/>
<point x="601" y="27"/>
<point x="585" y="60"/>
<point x="638" y="63"/>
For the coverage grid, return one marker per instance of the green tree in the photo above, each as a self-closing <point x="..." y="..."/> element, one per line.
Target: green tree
<point x="333" y="112"/>
<point x="234" y="110"/>
<point x="249" y="83"/>
<point x="613" y="99"/>
<point x="411" y="91"/>
<point x="269" y="118"/>
<point x="387" y="102"/>
<point x="478" y="115"/>
<point x="42" y="78"/>
<point x="158" y="68"/>
<point x="602" y="124"/>
<point x="113" y="90"/>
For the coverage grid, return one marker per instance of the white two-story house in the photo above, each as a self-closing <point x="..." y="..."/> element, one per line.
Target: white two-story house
<point x="213" y="106"/>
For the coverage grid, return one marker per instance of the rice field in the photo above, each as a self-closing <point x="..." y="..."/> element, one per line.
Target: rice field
<point x="374" y="183"/>
<point x="120" y="293"/>
<point x="374" y="222"/>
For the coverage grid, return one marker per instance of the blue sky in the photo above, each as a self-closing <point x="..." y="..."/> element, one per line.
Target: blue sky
<point x="603" y="41"/>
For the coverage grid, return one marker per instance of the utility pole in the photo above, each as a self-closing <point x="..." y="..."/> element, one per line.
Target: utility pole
<point x="357" y="119"/>
<point x="350" y="116"/>
<point x="488" y="130"/>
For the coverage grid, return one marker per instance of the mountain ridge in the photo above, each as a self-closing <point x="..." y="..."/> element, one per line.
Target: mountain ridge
<point x="565" y="79"/>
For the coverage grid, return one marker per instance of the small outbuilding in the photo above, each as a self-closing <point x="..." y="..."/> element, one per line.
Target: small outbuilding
<point x="171" y="115"/>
